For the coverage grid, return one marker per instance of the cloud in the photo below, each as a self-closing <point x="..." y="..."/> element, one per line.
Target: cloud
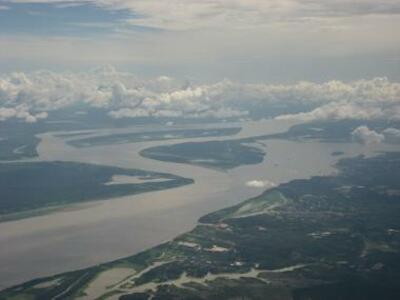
<point x="32" y="96"/>
<point x="207" y="39"/>
<point x="20" y="113"/>
<point x="339" y="111"/>
<point x="362" y="100"/>
<point x="392" y="135"/>
<point x="123" y="94"/>
<point x="364" y="135"/>
<point x="241" y="14"/>
<point x="260" y="184"/>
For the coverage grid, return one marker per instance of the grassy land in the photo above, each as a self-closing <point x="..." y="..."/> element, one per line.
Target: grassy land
<point x="332" y="237"/>
<point x="27" y="188"/>
<point x="160" y="135"/>
<point x="17" y="145"/>
<point x="214" y="154"/>
<point x="233" y="153"/>
<point x="18" y="139"/>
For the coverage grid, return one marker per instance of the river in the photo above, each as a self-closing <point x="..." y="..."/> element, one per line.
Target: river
<point x="91" y="233"/>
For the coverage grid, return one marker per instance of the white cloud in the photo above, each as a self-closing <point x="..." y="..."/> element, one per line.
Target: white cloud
<point x="241" y="14"/>
<point x="339" y="111"/>
<point x="31" y="96"/>
<point x="260" y="184"/>
<point x="366" y="136"/>
<point x="6" y="113"/>
<point x="363" y="100"/>
<point x="392" y="135"/>
<point x="20" y="112"/>
<point x="128" y="113"/>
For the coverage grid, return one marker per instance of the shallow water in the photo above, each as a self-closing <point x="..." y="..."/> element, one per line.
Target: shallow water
<point x="102" y="231"/>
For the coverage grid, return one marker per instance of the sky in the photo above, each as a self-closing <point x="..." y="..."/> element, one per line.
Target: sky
<point x="335" y="59"/>
<point x="276" y="41"/>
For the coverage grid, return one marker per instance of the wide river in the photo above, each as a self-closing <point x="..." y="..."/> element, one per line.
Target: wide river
<point x="88" y="234"/>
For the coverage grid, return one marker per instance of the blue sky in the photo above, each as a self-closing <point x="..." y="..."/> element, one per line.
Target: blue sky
<point x="249" y="40"/>
<point x="60" y="19"/>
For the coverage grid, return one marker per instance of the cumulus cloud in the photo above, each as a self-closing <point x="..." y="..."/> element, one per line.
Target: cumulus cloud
<point x="123" y="94"/>
<point x="260" y="184"/>
<point x="20" y="112"/>
<point x="32" y="96"/>
<point x="362" y="100"/>
<point x="339" y="111"/>
<point x="364" y="135"/>
<point x="392" y="135"/>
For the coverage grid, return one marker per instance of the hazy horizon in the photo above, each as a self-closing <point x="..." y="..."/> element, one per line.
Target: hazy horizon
<point x="243" y="40"/>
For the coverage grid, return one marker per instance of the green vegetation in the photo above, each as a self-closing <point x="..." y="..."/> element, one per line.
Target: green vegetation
<point x="214" y="154"/>
<point x="17" y="143"/>
<point x="232" y="153"/>
<point x="18" y="147"/>
<point x="18" y="139"/>
<point x="160" y="135"/>
<point x="37" y="185"/>
<point x="331" y="237"/>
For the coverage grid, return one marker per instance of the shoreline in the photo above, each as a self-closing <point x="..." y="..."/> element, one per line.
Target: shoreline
<point x="140" y="222"/>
